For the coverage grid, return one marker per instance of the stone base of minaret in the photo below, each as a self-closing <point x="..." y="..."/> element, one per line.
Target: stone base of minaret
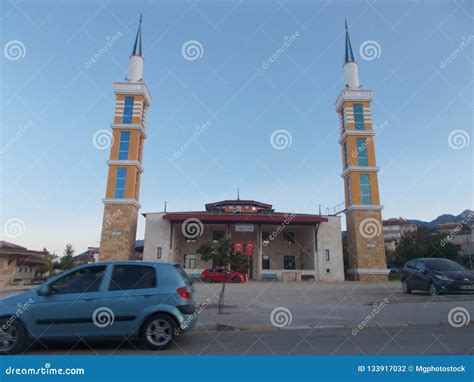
<point x="119" y="232"/>
<point x="365" y="245"/>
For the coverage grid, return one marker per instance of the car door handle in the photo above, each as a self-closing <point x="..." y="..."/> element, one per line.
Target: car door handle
<point x="89" y="299"/>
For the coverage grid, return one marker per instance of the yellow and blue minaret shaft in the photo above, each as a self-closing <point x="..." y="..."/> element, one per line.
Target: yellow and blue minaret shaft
<point x="363" y="210"/>
<point x="121" y="202"/>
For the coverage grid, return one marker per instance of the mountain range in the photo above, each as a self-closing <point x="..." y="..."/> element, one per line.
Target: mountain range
<point x="441" y="219"/>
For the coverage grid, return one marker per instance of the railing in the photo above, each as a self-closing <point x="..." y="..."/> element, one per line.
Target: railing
<point x="336" y="210"/>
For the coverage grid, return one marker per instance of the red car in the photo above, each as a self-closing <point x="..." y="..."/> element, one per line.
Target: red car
<point x="217" y="276"/>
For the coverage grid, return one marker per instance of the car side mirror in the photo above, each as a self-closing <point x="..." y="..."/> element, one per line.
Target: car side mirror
<point x="44" y="290"/>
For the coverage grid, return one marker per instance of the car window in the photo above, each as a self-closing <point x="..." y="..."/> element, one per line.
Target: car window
<point x="410" y="265"/>
<point x="132" y="277"/>
<point x="444" y="265"/>
<point x="84" y="280"/>
<point x="420" y="266"/>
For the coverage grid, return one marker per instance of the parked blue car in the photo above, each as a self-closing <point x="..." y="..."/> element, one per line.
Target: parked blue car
<point x="152" y="301"/>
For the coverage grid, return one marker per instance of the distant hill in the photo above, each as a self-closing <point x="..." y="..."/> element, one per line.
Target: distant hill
<point x="446" y="218"/>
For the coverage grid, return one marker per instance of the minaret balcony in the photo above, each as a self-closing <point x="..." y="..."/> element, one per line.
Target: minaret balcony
<point x="133" y="88"/>
<point x="359" y="133"/>
<point x="122" y="126"/>
<point x="358" y="95"/>
<point x="121" y="163"/>
<point x="359" y="169"/>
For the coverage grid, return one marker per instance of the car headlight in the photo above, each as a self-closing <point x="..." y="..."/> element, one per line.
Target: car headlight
<point x="443" y="278"/>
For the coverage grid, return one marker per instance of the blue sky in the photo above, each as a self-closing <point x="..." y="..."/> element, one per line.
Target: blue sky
<point x="53" y="102"/>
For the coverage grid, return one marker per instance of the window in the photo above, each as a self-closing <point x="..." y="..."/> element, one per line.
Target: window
<point x="84" y="280"/>
<point x="326" y="255"/>
<point x="362" y="152"/>
<point x="158" y="253"/>
<point x="120" y="182"/>
<point x="266" y="238"/>
<point x="346" y="155"/>
<point x="349" y="196"/>
<point x="124" y="145"/>
<point x="289" y="237"/>
<point x="289" y="262"/>
<point x="365" y="195"/>
<point x="328" y="270"/>
<point x="358" y="116"/>
<point x="343" y="121"/>
<point x="128" y="110"/>
<point x="266" y="262"/>
<point x="190" y="261"/>
<point x="127" y="277"/>
<point x="217" y="235"/>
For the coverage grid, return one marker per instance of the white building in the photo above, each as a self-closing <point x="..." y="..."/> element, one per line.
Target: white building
<point x="283" y="246"/>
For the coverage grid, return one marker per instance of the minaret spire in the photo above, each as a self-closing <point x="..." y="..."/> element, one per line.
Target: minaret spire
<point x="137" y="47"/>
<point x="351" y="69"/>
<point x="349" y="56"/>
<point x="135" y="62"/>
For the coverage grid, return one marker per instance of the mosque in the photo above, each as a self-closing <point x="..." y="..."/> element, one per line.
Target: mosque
<point x="279" y="245"/>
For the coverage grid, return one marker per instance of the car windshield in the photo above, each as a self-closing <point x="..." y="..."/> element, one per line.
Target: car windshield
<point x="444" y="265"/>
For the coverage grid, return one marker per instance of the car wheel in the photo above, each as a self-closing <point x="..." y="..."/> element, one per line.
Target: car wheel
<point x="12" y="336"/>
<point x="208" y="280"/>
<point x="433" y="289"/>
<point x="236" y="280"/>
<point x="158" y="331"/>
<point x="405" y="287"/>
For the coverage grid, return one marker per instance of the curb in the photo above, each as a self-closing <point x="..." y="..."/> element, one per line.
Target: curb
<point x="270" y="328"/>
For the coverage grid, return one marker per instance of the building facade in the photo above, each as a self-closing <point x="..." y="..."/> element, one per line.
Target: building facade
<point x="366" y="252"/>
<point x="393" y="231"/>
<point x="285" y="246"/>
<point x="121" y="200"/>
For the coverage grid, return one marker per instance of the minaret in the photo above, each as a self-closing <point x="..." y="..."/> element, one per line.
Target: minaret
<point x="363" y="210"/>
<point x="121" y="200"/>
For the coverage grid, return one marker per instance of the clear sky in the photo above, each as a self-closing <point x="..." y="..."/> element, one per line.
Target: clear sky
<point x="54" y="99"/>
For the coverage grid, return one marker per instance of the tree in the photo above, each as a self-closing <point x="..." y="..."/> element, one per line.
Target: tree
<point x="47" y="266"/>
<point x="222" y="255"/>
<point x="424" y="242"/>
<point x="67" y="260"/>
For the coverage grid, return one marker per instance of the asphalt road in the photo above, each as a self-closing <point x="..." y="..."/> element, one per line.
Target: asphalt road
<point x="403" y="340"/>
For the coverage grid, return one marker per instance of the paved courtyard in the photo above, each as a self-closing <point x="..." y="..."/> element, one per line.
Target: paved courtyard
<point x="310" y="304"/>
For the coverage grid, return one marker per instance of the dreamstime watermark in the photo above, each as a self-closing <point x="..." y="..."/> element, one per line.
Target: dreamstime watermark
<point x="378" y="130"/>
<point x="458" y="317"/>
<point x="18" y="135"/>
<point x="22" y="307"/>
<point x="466" y="40"/>
<point x="288" y="219"/>
<point x="44" y="370"/>
<point x="14" y="50"/>
<point x="14" y="228"/>
<point x="376" y="310"/>
<point x="192" y="228"/>
<point x="281" y="139"/>
<point x="370" y="228"/>
<point x="186" y="323"/>
<point x="198" y="131"/>
<point x="102" y="139"/>
<point x="457" y="229"/>
<point x="109" y="220"/>
<point x="459" y="139"/>
<point x="192" y="50"/>
<point x="103" y="317"/>
<point x="281" y="317"/>
<point x="109" y="42"/>
<point x="287" y="42"/>
<point x="370" y="50"/>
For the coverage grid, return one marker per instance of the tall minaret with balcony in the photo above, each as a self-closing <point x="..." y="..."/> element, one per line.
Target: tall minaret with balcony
<point x="121" y="200"/>
<point x="363" y="210"/>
